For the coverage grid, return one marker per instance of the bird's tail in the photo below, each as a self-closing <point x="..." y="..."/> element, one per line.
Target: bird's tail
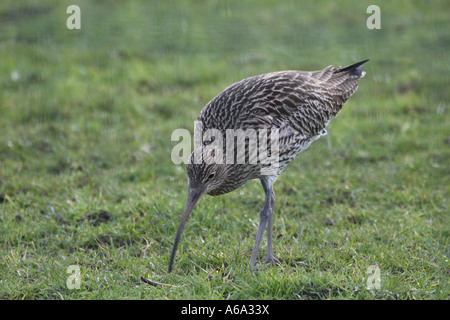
<point x="345" y="80"/>
<point x="355" y="69"/>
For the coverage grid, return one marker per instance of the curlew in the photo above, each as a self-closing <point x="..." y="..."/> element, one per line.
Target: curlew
<point x="297" y="105"/>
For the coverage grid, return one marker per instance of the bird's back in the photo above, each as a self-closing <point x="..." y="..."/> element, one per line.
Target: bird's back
<point x="304" y="100"/>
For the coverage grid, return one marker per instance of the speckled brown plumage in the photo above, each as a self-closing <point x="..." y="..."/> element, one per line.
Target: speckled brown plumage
<point x="298" y="104"/>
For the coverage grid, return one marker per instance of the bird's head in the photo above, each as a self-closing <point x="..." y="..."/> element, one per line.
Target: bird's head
<point x="203" y="177"/>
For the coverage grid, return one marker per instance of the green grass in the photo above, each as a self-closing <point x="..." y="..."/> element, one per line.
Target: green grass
<point x="86" y="176"/>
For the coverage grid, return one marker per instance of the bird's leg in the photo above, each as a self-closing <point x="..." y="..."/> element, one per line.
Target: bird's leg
<point x="265" y="216"/>
<point x="270" y="258"/>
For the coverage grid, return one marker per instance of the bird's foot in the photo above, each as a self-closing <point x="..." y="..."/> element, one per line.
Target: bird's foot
<point x="272" y="261"/>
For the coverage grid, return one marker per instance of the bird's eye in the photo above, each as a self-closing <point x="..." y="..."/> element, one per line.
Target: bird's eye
<point x="211" y="176"/>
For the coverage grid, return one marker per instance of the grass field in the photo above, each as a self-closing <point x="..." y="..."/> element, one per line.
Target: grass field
<point x="86" y="176"/>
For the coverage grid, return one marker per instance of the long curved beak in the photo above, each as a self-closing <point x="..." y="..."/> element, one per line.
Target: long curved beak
<point x="193" y="196"/>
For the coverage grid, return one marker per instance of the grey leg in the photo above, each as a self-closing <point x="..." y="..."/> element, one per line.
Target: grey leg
<point x="270" y="258"/>
<point x="266" y="217"/>
<point x="263" y="216"/>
